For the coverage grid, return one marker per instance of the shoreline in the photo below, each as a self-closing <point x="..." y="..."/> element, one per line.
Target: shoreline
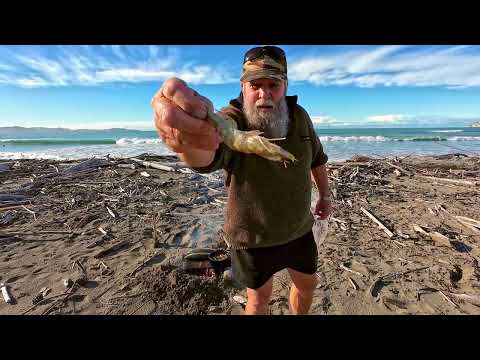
<point x="128" y="226"/>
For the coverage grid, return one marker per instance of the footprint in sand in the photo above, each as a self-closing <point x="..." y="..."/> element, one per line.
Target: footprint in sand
<point x="15" y="278"/>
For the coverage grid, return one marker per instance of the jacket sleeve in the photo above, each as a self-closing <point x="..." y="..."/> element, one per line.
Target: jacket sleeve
<point x="221" y="160"/>
<point x="318" y="155"/>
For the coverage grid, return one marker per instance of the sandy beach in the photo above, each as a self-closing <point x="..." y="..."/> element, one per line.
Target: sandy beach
<point x="404" y="238"/>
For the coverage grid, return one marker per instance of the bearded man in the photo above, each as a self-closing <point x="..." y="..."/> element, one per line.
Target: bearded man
<point x="268" y="222"/>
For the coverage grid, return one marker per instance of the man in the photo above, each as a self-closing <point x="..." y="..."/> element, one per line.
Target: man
<point x="268" y="220"/>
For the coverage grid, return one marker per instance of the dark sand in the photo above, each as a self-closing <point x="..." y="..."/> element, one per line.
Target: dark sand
<point x="159" y="218"/>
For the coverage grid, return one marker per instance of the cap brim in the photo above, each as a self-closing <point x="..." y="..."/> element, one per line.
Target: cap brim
<point x="264" y="74"/>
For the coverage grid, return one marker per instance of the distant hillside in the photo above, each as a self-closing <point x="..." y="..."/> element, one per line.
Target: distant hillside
<point x="18" y="132"/>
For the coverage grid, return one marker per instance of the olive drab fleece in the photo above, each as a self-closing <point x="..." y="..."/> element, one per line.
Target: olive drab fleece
<point x="269" y="202"/>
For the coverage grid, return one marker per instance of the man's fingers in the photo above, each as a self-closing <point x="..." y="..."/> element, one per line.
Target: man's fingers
<point x="186" y="98"/>
<point x="169" y="115"/>
<point x="177" y="139"/>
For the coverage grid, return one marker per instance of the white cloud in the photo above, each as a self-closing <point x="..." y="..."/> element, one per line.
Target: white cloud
<point x="117" y="50"/>
<point x="93" y="65"/>
<point x="452" y="67"/>
<point x="391" y="118"/>
<point x="323" y="120"/>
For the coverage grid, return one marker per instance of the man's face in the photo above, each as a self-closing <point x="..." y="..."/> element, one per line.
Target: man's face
<point x="265" y="107"/>
<point x="268" y="90"/>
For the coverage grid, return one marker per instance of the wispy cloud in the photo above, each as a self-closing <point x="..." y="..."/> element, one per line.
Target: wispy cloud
<point x="390" y="118"/>
<point x="453" y="67"/>
<point x="323" y="120"/>
<point x="93" y="65"/>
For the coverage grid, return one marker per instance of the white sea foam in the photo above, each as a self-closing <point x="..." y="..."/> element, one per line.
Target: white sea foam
<point x="138" y="141"/>
<point x="446" y="131"/>
<point x="353" y="138"/>
<point x="464" y="138"/>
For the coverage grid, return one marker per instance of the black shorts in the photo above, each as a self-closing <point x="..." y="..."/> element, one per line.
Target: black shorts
<point x="253" y="267"/>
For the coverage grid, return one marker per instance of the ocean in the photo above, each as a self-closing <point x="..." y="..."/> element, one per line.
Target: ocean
<point x="339" y="144"/>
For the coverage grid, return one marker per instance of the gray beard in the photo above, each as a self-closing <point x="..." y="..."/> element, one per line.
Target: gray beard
<point x="273" y="124"/>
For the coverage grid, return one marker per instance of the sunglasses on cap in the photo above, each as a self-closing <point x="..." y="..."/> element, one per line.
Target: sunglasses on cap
<point x="274" y="52"/>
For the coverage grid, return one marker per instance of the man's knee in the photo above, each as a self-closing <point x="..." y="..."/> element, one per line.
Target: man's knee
<point x="305" y="283"/>
<point x="260" y="296"/>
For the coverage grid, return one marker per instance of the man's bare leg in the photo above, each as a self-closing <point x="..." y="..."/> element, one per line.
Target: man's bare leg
<point x="301" y="292"/>
<point x="258" y="299"/>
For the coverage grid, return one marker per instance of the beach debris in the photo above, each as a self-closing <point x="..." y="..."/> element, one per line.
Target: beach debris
<point x="111" y="212"/>
<point x="419" y="229"/>
<point x="451" y="181"/>
<point x="439" y="238"/>
<point x="376" y="221"/>
<point x="127" y="166"/>
<point x="353" y="283"/>
<point x="88" y="165"/>
<point x="41" y="295"/>
<point x="102" y="231"/>
<point x="67" y="282"/>
<point x="154" y="165"/>
<point x="145" y="174"/>
<point x="377" y="285"/>
<point x="239" y="299"/>
<point x="447" y="298"/>
<point x="350" y="270"/>
<point x="399" y="169"/>
<point x="471" y="224"/>
<point x="473" y="299"/>
<point x="30" y="211"/>
<point x="6" y="293"/>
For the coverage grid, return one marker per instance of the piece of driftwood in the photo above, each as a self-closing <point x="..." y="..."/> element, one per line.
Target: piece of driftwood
<point x="451" y="181"/>
<point x="350" y="270"/>
<point x="30" y="211"/>
<point x="402" y="170"/>
<point x="111" y="212"/>
<point x="353" y="283"/>
<point x="154" y="165"/>
<point x="376" y="221"/>
<point x="11" y="207"/>
<point x="17" y="233"/>
<point x="90" y="164"/>
<point x="447" y="298"/>
<point x="419" y="229"/>
<point x="13" y="197"/>
<point x="473" y="299"/>
<point x="469" y="223"/>
<point x="439" y="238"/>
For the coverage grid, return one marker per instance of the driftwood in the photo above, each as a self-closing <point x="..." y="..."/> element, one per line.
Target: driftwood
<point x="439" y="238"/>
<point x="13" y="197"/>
<point x="34" y="233"/>
<point x="350" y="270"/>
<point x="473" y="299"/>
<point x="154" y="165"/>
<point x="471" y="224"/>
<point x="419" y="229"/>
<point x="376" y="221"/>
<point x="408" y="173"/>
<point x="447" y="298"/>
<point x="11" y="207"/>
<point x="90" y="164"/>
<point x="451" y="181"/>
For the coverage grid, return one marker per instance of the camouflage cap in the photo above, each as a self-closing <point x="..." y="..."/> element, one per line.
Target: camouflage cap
<point x="264" y="66"/>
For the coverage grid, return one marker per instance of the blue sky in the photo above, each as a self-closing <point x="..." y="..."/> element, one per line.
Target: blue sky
<point x="105" y="86"/>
